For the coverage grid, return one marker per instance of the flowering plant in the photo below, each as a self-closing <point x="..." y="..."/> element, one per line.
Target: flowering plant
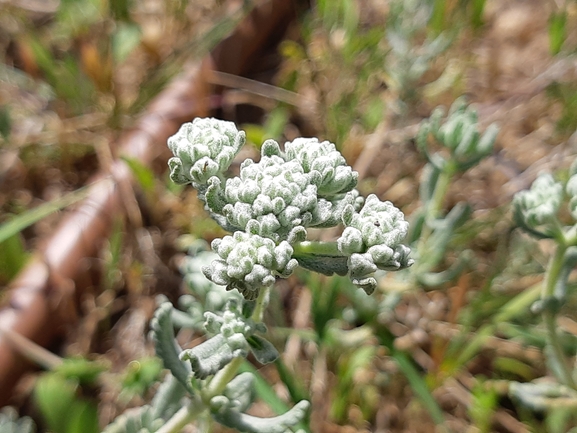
<point x="268" y="208"/>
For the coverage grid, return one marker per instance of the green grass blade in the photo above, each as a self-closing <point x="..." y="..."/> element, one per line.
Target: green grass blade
<point x="13" y="256"/>
<point x="419" y="387"/>
<point x="26" y="219"/>
<point x="413" y="376"/>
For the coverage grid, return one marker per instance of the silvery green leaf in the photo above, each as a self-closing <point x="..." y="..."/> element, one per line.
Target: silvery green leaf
<point x="136" y="420"/>
<point x="330" y="213"/>
<point x="270" y="148"/>
<point x="214" y="196"/>
<point x="487" y="141"/>
<point x="468" y="142"/>
<point x="211" y="356"/>
<point x="543" y="396"/>
<point x="166" y="347"/>
<point x="224" y="411"/>
<point x="240" y="391"/>
<point x="169" y="398"/>
<point x="323" y="264"/>
<point x="273" y="196"/>
<point x="262" y="349"/>
<point x="361" y="265"/>
<point x="429" y="178"/>
<point x="459" y="134"/>
<point x="571" y="189"/>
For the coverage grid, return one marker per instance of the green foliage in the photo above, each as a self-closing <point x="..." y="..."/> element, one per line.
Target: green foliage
<point x="13" y="257"/>
<point x="18" y="223"/>
<point x="483" y="407"/>
<point x="566" y="95"/>
<point x="139" y="376"/>
<point x="63" y="410"/>
<point x="462" y="147"/>
<point x="557" y="30"/>
<point x="167" y="348"/>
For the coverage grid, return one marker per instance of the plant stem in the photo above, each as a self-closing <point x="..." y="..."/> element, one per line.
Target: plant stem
<point x="261" y="303"/>
<point x="182" y="417"/>
<point x="221" y="379"/>
<point x="317" y="248"/>
<point x="550" y="316"/>
<point x="441" y="188"/>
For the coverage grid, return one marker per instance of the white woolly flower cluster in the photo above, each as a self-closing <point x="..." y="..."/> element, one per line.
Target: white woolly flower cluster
<point x="270" y="205"/>
<point x="336" y="176"/>
<point x="270" y="197"/>
<point x="373" y="239"/>
<point x="540" y="204"/>
<point x="203" y="149"/>
<point x="249" y="262"/>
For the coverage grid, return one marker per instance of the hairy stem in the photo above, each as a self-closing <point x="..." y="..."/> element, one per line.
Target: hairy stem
<point x="261" y="304"/>
<point x="221" y="379"/>
<point x="181" y="418"/>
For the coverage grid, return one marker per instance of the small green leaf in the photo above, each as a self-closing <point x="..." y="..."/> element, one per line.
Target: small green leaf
<point x="54" y="396"/>
<point x="557" y="31"/>
<point x="144" y="175"/>
<point x="140" y="375"/>
<point x="82" y="417"/>
<point x="262" y="349"/>
<point x="255" y="134"/>
<point x="26" y="219"/>
<point x="81" y="369"/>
<point x="477" y="6"/>
<point x="13" y="256"/>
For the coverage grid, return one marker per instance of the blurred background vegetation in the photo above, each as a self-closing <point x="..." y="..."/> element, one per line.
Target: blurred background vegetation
<point x="415" y="357"/>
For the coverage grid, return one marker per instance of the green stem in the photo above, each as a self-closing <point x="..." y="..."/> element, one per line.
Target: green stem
<point x="317" y="248"/>
<point x="181" y="418"/>
<point x="261" y="303"/>
<point x="550" y="316"/>
<point x="221" y="379"/>
<point x="441" y="187"/>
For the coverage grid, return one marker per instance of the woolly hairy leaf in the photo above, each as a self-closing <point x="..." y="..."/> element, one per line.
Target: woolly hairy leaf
<point x="167" y="348"/>
<point x="228" y="415"/>
<point x="138" y="420"/>
<point x="168" y="398"/>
